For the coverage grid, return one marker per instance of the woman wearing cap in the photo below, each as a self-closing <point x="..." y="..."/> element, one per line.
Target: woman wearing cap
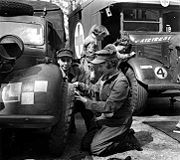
<point x="71" y="74"/>
<point x="65" y="62"/>
<point x="90" y="46"/>
<point x="111" y="131"/>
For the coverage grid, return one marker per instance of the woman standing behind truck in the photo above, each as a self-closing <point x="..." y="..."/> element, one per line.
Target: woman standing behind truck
<point x="90" y="46"/>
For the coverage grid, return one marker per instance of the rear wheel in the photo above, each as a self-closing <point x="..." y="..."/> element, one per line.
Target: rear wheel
<point x="60" y="131"/>
<point x="138" y="92"/>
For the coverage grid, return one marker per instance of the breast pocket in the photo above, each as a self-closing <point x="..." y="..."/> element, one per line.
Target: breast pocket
<point x="105" y="93"/>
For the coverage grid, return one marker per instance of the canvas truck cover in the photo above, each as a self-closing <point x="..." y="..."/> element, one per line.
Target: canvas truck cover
<point x="54" y="14"/>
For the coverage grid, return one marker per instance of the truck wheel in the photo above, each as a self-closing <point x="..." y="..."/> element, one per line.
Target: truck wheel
<point x="13" y="8"/>
<point x="138" y="92"/>
<point x="60" y="131"/>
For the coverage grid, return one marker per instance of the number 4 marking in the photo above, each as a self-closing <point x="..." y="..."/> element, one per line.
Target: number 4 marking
<point x="160" y="72"/>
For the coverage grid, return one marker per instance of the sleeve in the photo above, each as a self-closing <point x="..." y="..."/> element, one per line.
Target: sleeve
<point x="91" y="47"/>
<point x="87" y="90"/>
<point x="87" y="41"/>
<point x="123" y="55"/>
<point x="116" y="99"/>
<point x="83" y="87"/>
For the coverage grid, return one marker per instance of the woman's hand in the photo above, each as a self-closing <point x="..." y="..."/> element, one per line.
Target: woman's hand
<point x="132" y="54"/>
<point x="81" y="98"/>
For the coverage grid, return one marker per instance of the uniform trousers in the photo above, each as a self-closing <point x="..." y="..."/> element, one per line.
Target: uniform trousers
<point x="104" y="140"/>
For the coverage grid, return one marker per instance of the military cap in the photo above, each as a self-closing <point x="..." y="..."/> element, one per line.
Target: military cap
<point x="64" y="53"/>
<point x="106" y="54"/>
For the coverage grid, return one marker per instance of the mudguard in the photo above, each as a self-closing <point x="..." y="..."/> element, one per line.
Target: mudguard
<point x="152" y="73"/>
<point x="35" y="91"/>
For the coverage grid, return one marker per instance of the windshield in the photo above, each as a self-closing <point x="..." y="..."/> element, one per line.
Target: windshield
<point x="141" y="20"/>
<point x="29" y="33"/>
<point x="151" y="20"/>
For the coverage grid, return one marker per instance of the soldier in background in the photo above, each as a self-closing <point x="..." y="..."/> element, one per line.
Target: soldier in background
<point x="71" y="74"/>
<point x="90" y="46"/>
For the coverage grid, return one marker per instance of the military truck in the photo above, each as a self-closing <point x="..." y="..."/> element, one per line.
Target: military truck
<point x="33" y="93"/>
<point x="154" y="29"/>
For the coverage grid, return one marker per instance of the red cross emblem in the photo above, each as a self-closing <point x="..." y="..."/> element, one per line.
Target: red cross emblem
<point x="78" y="39"/>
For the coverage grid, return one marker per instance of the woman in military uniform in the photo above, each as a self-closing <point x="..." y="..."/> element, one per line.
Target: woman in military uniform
<point x="110" y="133"/>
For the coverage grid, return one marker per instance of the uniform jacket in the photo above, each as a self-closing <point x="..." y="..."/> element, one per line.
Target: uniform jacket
<point x="90" y="45"/>
<point x="114" y="100"/>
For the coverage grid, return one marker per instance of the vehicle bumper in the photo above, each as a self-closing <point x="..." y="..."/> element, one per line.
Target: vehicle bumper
<point x="173" y="86"/>
<point x="24" y="121"/>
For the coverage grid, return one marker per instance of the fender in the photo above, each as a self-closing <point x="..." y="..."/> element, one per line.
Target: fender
<point x="33" y="91"/>
<point x="139" y="65"/>
<point x="151" y="73"/>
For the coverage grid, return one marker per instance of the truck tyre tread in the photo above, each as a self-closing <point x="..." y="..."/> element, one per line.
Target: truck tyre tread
<point x="60" y="131"/>
<point x="138" y="92"/>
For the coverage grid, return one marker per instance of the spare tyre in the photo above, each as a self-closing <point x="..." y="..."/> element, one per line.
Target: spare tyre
<point x="12" y="8"/>
<point x="13" y="45"/>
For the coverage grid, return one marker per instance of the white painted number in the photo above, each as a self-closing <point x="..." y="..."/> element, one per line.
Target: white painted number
<point x="160" y="72"/>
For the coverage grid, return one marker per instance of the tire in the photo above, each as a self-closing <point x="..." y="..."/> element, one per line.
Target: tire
<point x="59" y="133"/>
<point x="13" y="8"/>
<point x="139" y="93"/>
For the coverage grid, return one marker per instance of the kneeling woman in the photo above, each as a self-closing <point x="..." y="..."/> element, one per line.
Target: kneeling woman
<point x="111" y="131"/>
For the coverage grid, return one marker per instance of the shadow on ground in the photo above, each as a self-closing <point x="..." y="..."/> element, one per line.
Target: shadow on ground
<point x="144" y="137"/>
